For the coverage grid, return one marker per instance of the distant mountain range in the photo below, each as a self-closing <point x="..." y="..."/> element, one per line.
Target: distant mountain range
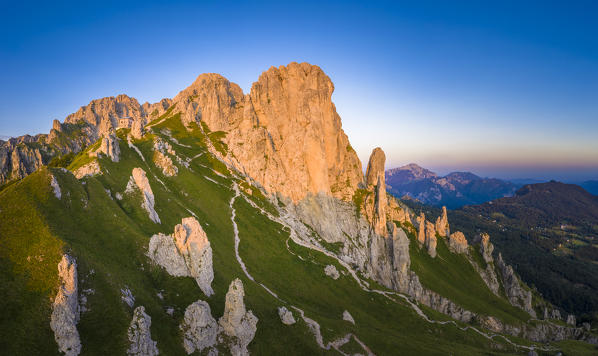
<point x="453" y="190"/>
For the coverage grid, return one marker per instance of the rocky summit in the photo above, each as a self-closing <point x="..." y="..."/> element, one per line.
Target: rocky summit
<point x="223" y="222"/>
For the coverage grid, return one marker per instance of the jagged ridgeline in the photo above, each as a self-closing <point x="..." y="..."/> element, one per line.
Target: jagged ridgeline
<point x="232" y="223"/>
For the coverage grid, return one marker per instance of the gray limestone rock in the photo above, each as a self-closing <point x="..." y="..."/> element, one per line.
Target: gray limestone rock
<point x="139" y="180"/>
<point x="65" y="309"/>
<point x="331" y="272"/>
<point x="139" y="333"/>
<point x="186" y="253"/>
<point x="237" y="323"/>
<point x="348" y="317"/>
<point x="199" y="328"/>
<point x="286" y="316"/>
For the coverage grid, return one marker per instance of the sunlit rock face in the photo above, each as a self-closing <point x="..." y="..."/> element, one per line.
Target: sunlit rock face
<point x="187" y="252"/>
<point x="375" y="181"/>
<point x="289" y="120"/>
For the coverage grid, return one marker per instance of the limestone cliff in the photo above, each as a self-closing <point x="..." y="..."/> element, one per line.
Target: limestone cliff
<point x="288" y="119"/>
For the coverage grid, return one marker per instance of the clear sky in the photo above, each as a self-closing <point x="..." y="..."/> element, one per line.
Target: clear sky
<point x="508" y="89"/>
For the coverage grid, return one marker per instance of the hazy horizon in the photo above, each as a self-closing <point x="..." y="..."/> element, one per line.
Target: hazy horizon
<point x="502" y="90"/>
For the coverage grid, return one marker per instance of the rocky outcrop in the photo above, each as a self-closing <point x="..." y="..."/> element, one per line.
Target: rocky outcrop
<point x="421" y="230"/>
<point x="401" y="261"/>
<point x="109" y="147"/>
<point x="515" y="292"/>
<point x="192" y="243"/>
<point x="137" y="129"/>
<point x="199" y="328"/>
<point x="331" y="272"/>
<point x="430" y="241"/>
<point x="488" y="273"/>
<point x="442" y="224"/>
<point x="161" y="158"/>
<point x="375" y="181"/>
<point x="127" y="296"/>
<point x="548" y="332"/>
<point x="435" y="300"/>
<point x="486" y="248"/>
<point x="348" y="317"/>
<point x="187" y="253"/>
<point x="286" y="316"/>
<point x="108" y="114"/>
<point x="139" y="180"/>
<point x="457" y="242"/>
<point x="571" y="320"/>
<point x="139" y="333"/>
<point x="55" y="187"/>
<point x="65" y="310"/>
<point x="289" y="120"/>
<point x="237" y="323"/>
<point x="88" y="170"/>
<point x="20" y="157"/>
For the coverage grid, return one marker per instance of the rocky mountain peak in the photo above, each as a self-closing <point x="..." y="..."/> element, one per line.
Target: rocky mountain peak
<point x="288" y="119"/>
<point x="211" y="98"/>
<point x="107" y="112"/>
<point x="411" y="171"/>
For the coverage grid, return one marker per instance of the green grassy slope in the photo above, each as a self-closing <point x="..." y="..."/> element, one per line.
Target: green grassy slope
<point x="109" y="238"/>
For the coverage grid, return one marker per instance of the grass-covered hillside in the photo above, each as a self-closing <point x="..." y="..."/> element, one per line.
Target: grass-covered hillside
<point x="109" y="238"/>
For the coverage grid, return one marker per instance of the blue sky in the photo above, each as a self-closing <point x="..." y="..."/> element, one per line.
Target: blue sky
<point x="508" y="89"/>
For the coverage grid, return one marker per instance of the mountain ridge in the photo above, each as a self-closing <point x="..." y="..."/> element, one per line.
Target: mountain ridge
<point x="452" y="190"/>
<point x="285" y="209"/>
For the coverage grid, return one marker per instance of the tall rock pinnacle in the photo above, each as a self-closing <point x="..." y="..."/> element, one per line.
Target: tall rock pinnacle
<point x="442" y="225"/>
<point x="375" y="180"/>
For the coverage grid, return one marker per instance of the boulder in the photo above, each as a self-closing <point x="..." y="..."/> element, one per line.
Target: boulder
<point x="331" y="272"/>
<point x="348" y="317"/>
<point x="286" y="316"/>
